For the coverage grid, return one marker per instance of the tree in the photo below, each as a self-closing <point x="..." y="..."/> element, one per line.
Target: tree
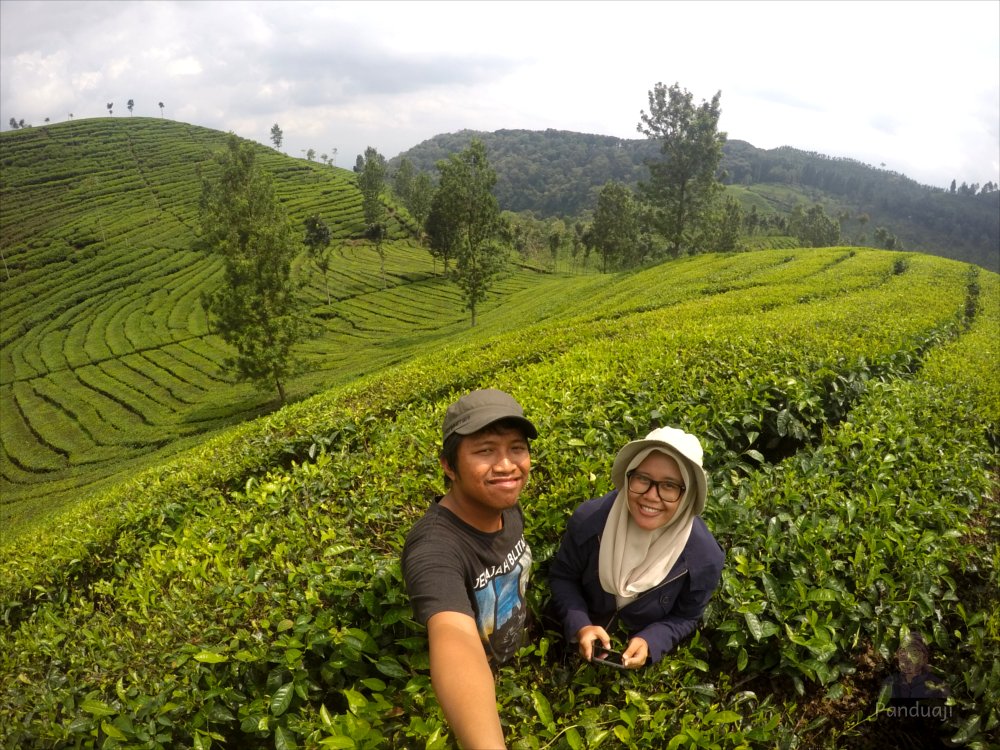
<point x="110" y="110"/>
<point x="555" y="240"/>
<point x="615" y="230"/>
<point x="130" y="104"/>
<point x="276" y="135"/>
<point x="317" y="242"/>
<point x="414" y="190"/>
<point x="371" y="181"/>
<point x="402" y="180"/>
<point x="310" y="154"/>
<point x="443" y="229"/>
<point x="470" y="216"/>
<point x="13" y="124"/>
<point x="256" y="309"/>
<point x="160" y="104"/>
<point x="886" y="239"/>
<point x="729" y="226"/>
<point x="683" y="186"/>
<point x="813" y="227"/>
<point x="421" y="193"/>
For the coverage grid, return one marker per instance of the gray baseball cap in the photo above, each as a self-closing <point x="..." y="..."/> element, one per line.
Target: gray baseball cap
<point x="476" y="410"/>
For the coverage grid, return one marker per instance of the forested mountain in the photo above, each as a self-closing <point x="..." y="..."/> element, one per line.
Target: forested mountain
<point x="558" y="173"/>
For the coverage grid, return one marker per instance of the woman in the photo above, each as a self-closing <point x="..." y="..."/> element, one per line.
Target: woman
<point x="640" y="557"/>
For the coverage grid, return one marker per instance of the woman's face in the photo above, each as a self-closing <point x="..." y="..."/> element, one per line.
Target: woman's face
<point x="648" y="510"/>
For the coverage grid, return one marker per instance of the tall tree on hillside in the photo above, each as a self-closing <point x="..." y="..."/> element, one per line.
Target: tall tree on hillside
<point x="371" y="181"/>
<point x="414" y="190"/>
<point x="683" y="185"/>
<point x="729" y="228"/>
<point x="161" y="108"/>
<point x="813" y="227"/>
<point x="421" y="193"/>
<point x="111" y="112"/>
<point x="442" y="227"/>
<point x="276" y="135"/>
<point x="470" y="214"/>
<point x="256" y="309"/>
<point x="317" y="241"/>
<point x="130" y="104"/>
<point x="615" y="229"/>
<point x="402" y="180"/>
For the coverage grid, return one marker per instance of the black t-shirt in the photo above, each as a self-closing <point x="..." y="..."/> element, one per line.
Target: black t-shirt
<point x="450" y="566"/>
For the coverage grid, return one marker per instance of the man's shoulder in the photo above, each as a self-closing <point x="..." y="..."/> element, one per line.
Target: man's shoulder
<point x="432" y="529"/>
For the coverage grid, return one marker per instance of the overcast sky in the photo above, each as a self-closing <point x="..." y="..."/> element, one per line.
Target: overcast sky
<point x="914" y="86"/>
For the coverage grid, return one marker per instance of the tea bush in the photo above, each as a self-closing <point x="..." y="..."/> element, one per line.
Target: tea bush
<point x="248" y="593"/>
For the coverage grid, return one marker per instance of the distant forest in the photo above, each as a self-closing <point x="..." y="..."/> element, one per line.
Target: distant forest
<point x="557" y="173"/>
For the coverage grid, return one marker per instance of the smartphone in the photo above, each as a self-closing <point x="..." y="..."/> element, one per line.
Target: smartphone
<point x="606" y="656"/>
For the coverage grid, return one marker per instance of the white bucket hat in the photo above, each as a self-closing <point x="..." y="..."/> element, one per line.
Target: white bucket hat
<point x="681" y="443"/>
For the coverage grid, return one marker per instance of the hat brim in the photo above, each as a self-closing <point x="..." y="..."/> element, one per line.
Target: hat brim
<point x="631" y="450"/>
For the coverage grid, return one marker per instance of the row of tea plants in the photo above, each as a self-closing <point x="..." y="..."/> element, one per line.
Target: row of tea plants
<point x="249" y="595"/>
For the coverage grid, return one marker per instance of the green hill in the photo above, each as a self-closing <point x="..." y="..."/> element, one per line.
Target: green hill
<point x="559" y="173"/>
<point x="247" y="593"/>
<point x="177" y="573"/>
<point x="106" y="359"/>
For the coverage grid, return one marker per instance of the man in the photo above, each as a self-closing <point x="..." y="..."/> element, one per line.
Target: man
<point x="466" y="563"/>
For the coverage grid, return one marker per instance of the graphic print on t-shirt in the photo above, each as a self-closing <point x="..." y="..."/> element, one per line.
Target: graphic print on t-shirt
<point x="500" y="602"/>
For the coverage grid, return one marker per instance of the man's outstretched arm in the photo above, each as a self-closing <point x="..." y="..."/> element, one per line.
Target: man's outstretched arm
<point x="463" y="681"/>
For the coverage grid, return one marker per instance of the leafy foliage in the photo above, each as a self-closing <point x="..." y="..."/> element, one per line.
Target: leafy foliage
<point x="560" y="173"/>
<point x="466" y="220"/>
<point x="107" y="360"/>
<point x="615" y="231"/>
<point x="248" y="594"/>
<point x="683" y="185"/>
<point x="256" y="310"/>
<point x="371" y="182"/>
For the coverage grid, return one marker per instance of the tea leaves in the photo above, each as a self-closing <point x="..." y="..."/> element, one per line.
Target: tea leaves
<point x="249" y="592"/>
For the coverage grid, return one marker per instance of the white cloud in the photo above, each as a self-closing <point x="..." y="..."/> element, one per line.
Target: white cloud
<point x="185" y="66"/>
<point x="914" y="86"/>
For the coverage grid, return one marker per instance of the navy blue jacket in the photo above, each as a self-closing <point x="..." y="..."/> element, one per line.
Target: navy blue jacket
<point x="662" y="616"/>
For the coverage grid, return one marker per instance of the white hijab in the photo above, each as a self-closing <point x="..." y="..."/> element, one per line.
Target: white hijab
<point x="633" y="560"/>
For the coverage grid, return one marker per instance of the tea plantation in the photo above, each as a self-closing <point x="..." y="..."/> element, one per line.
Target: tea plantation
<point x="107" y="363"/>
<point x="246" y="593"/>
<point x="175" y="576"/>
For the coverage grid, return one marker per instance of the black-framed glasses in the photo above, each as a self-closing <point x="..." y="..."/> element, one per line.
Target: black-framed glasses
<point x="668" y="490"/>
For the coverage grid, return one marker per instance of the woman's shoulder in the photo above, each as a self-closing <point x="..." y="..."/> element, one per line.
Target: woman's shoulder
<point x="703" y="545"/>
<point x="590" y="515"/>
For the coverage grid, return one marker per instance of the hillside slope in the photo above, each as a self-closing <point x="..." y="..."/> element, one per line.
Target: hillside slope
<point x="106" y="356"/>
<point x="248" y="592"/>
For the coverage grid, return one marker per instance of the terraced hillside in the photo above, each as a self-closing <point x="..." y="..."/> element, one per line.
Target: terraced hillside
<point x="106" y="357"/>
<point x="248" y="593"/>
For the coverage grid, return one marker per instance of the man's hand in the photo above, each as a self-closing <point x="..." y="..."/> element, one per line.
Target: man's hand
<point x="463" y="681"/>
<point x="586" y="636"/>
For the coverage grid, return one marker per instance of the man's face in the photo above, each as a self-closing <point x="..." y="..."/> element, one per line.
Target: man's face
<point x="492" y="467"/>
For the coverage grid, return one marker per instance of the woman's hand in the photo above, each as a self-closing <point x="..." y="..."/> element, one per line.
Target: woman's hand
<point x="636" y="654"/>
<point x="586" y="636"/>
